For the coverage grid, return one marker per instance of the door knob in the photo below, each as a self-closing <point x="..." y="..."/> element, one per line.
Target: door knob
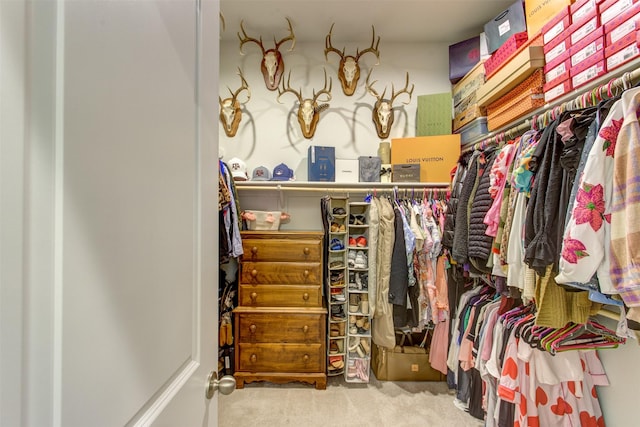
<point x="225" y="385"/>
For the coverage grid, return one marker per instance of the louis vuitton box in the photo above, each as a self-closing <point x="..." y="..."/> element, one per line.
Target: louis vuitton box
<point x="436" y="155"/>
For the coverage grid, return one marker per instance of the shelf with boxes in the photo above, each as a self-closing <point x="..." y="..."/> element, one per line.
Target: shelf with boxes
<point x="358" y="350"/>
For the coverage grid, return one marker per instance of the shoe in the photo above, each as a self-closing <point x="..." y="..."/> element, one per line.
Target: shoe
<point x="360" y="351"/>
<point x="364" y="304"/>
<point x="342" y="228"/>
<point x="334" y="227"/>
<point x="351" y="258"/>
<point x="336" y="264"/>
<point x="364" y="279"/>
<point x="333" y="347"/>
<point x="354" y="342"/>
<point x="336" y="362"/>
<point x="336" y="245"/>
<point x="334" y="330"/>
<point x="358" y="281"/>
<point x="360" y="260"/>
<point x="337" y="313"/>
<point x="339" y="211"/>
<point x="337" y="278"/>
<point x="357" y="219"/>
<point x="352" y="242"/>
<point x="360" y="322"/>
<point x="364" y="343"/>
<point x="360" y="242"/>
<point x="338" y="298"/>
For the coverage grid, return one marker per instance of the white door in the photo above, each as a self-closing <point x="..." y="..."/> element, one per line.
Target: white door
<point x="109" y="225"/>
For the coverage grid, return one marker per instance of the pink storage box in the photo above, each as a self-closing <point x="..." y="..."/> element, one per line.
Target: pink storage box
<point x="555" y="90"/>
<point x="622" y="25"/>
<point x="622" y="56"/>
<point x="556" y="26"/>
<point x="581" y="10"/>
<point x="554" y="56"/>
<point x="504" y="52"/>
<point x="558" y="73"/>
<point x="610" y="9"/>
<point x="589" y="46"/>
<point x="583" y="29"/>
<point x="593" y="72"/>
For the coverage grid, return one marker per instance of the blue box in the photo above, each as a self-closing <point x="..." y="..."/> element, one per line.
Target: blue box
<point x="321" y="163"/>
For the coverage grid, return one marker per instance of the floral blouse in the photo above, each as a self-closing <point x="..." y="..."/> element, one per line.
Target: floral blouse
<point x="585" y="246"/>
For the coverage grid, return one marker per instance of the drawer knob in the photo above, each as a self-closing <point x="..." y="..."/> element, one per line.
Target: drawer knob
<point x="252" y="329"/>
<point x="253" y="358"/>
<point x="254" y="297"/>
<point x="305" y="358"/>
<point x="306" y="251"/>
<point x="254" y="272"/>
<point x="305" y="329"/>
<point x="254" y="250"/>
<point x="306" y="274"/>
<point x="305" y="296"/>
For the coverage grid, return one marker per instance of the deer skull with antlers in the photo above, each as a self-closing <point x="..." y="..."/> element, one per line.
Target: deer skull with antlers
<point x="272" y="64"/>
<point x="349" y="68"/>
<point x="308" y="109"/>
<point x="231" y="108"/>
<point x="383" y="108"/>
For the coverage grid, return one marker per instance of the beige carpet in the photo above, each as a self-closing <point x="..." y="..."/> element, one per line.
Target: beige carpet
<point x="424" y="404"/>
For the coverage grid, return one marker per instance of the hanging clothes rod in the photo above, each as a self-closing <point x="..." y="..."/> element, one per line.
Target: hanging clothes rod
<point x="367" y="187"/>
<point x="538" y="121"/>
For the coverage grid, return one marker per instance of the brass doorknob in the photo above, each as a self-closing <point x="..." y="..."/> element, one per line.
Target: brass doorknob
<point x="225" y="385"/>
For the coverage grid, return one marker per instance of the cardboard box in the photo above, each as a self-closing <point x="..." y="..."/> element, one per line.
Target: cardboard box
<point x="560" y="72"/>
<point x="504" y="25"/>
<point x="610" y="9"/>
<point x="403" y="363"/>
<point x="436" y="155"/>
<point x="539" y="12"/>
<point x="583" y="29"/>
<point x="622" y="56"/>
<point x="622" y="25"/>
<point x="556" y="25"/>
<point x="514" y="72"/>
<point x="465" y="104"/>
<point x="463" y="56"/>
<point x="582" y="9"/>
<point x="468" y="115"/>
<point x="433" y="116"/>
<point x="472" y="131"/>
<point x="552" y="56"/>
<point x="321" y="163"/>
<point x="589" y="74"/>
<point x="469" y="83"/>
<point x="347" y="170"/>
<point x="555" y="90"/>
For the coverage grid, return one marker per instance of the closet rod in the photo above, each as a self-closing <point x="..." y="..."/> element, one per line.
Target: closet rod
<point x="540" y="120"/>
<point x="363" y="189"/>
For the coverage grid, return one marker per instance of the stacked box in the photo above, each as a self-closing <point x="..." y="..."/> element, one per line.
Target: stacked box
<point x="465" y="98"/>
<point x="504" y="53"/>
<point x="523" y="99"/>
<point x="619" y="20"/>
<point x="540" y="12"/>
<point x="556" y="71"/>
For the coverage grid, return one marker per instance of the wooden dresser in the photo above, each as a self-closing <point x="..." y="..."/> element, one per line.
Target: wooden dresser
<point x="280" y="321"/>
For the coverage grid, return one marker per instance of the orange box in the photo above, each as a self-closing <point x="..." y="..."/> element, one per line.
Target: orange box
<point x="539" y="12"/>
<point x="436" y="155"/>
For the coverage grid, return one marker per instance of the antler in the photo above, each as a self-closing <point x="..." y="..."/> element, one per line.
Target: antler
<point x="373" y="49"/>
<point x="287" y="88"/>
<point x="370" y="88"/>
<point x="329" y="48"/>
<point x="245" y="38"/>
<point x="245" y="85"/>
<point x="291" y="37"/>
<point x="406" y="86"/>
<point x="324" y="90"/>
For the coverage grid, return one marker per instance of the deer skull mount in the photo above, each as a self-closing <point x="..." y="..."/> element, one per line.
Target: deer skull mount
<point x="383" y="108"/>
<point x="308" y="109"/>
<point x="272" y="65"/>
<point x="349" y="68"/>
<point x="231" y="108"/>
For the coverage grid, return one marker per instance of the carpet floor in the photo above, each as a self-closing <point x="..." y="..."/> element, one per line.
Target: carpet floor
<point x="379" y="403"/>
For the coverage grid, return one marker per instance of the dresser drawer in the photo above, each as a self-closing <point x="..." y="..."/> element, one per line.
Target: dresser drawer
<point x="280" y="328"/>
<point x="280" y="296"/>
<point x="281" y="249"/>
<point x="284" y="273"/>
<point x="280" y="357"/>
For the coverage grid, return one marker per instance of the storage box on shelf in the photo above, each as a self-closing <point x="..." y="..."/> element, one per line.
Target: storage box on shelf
<point x="556" y="27"/>
<point x="524" y="98"/>
<point x="358" y="348"/>
<point x="539" y="12"/>
<point x="473" y="130"/>
<point x="610" y="9"/>
<point x="508" y="22"/>
<point x="622" y="25"/>
<point x="337" y="286"/>
<point x="280" y="320"/>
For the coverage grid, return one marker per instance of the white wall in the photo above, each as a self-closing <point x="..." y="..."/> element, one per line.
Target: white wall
<point x="269" y="133"/>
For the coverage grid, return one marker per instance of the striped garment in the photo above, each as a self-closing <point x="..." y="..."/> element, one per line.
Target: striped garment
<point x="625" y="210"/>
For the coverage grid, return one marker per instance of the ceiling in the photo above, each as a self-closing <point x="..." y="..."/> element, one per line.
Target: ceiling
<point x="423" y="21"/>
